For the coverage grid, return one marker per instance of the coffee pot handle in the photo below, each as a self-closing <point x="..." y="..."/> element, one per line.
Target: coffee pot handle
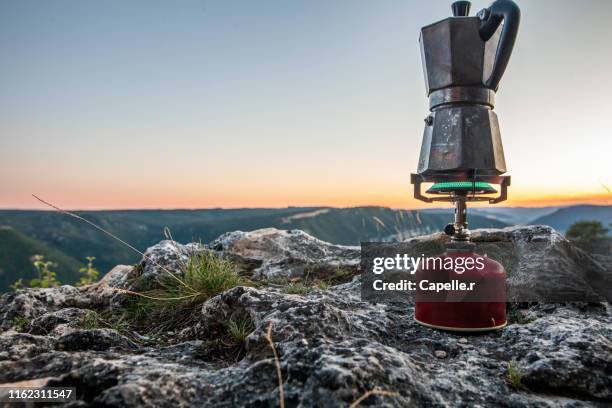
<point x="491" y="17"/>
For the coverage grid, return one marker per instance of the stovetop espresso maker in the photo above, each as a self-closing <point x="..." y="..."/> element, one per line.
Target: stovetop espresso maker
<point x="464" y="58"/>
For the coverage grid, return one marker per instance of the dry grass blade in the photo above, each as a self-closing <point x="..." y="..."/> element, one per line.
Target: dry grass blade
<point x="279" y="374"/>
<point x="368" y="394"/>
<point x="78" y="217"/>
<point x="143" y="295"/>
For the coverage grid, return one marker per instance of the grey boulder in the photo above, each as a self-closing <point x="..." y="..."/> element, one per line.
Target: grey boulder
<point x="270" y="253"/>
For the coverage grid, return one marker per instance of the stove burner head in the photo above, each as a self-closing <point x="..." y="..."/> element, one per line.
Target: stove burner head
<point x="451" y="188"/>
<point x="455" y="189"/>
<point x="476" y="187"/>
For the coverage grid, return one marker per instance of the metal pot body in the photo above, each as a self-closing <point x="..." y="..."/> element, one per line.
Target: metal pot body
<point x="462" y="140"/>
<point x="455" y="55"/>
<point x="461" y="136"/>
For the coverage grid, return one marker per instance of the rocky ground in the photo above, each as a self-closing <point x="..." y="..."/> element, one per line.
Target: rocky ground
<point x="332" y="347"/>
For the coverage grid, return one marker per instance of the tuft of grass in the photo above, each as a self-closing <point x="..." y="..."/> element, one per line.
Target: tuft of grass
<point x="90" y="321"/>
<point x="228" y="342"/>
<point x="239" y="328"/>
<point x="341" y="275"/>
<point x="275" y="281"/>
<point x="514" y="376"/>
<point x="297" y="288"/>
<point x="323" y="285"/>
<point x="120" y="325"/>
<point x="177" y="301"/>
<point x="20" y="323"/>
<point x="210" y="275"/>
<point x="514" y="315"/>
<point x="307" y="284"/>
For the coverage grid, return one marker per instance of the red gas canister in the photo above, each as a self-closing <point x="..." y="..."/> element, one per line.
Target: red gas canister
<point x="451" y="296"/>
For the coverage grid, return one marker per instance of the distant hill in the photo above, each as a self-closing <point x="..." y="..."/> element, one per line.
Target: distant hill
<point x="143" y="228"/>
<point x="67" y="241"/>
<point x="513" y="215"/>
<point x="505" y="215"/>
<point x="16" y="251"/>
<point x="351" y="226"/>
<point x="562" y="218"/>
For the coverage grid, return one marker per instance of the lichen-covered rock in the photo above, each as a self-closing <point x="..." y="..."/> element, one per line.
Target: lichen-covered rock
<point x="47" y="323"/>
<point x="21" y="307"/>
<point x="15" y="346"/>
<point x="332" y="347"/>
<point x="118" y="277"/>
<point x="156" y="265"/>
<point x="272" y="253"/>
<point x="94" y="339"/>
<point x="568" y="351"/>
<point x="46" y="364"/>
<point x="542" y="265"/>
<point x="265" y="253"/>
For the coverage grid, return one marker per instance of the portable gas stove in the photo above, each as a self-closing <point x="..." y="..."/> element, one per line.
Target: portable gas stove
<point x="464" y="58"/>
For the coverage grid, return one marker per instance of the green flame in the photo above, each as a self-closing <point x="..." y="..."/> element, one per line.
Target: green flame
<point x="479" y="186"/>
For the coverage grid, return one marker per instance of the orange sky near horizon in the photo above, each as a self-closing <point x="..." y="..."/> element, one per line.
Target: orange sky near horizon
<point x="398" y="201"/>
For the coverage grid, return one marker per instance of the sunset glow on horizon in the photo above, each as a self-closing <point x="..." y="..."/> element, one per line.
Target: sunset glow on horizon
<point x="271" y="201"/>
<point x="203" y="104"/>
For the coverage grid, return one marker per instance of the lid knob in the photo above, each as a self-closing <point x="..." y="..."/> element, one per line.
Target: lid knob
<point x="461" y="8"/>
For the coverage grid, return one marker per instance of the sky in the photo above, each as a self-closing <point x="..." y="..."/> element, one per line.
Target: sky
<point x="196" y="104"/>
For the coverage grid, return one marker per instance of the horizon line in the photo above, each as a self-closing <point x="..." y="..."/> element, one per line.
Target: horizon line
<point x="300" y="206"/>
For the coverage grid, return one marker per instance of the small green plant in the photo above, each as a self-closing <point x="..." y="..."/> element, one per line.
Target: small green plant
<point x="515" y="315"/>
<point x="46" y="277"/>
<point x="275" y="281"/>
<point x="307" y="284"/>
<point x="514" y="376"/>
<point x="229" y="340"/>
<point x="90" y="272"/>
<point x="120" y="325"/>
<point x="91" y="320"/>
<point x="297" y="288"/>
<point x="17" y="285"/>
<point x="207" y="275"/>
<point x="342" y="275"/>
<point x="323" y="285"/>
<point x="113" y="320"/>
<point x="20" y="323"/>
<point x="239" y="328"/>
